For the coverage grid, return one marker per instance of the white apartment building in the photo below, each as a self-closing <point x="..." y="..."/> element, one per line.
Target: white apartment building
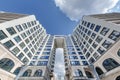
<point x="91" y="52"/>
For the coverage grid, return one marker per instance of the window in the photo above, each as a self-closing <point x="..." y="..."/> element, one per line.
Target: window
<point x="22" y="45"/>
<point x="93" y="35"/>
<point x="44" y="57"/>
<point x="16" y="72"/>
<point x="99" y="71"/>
<point x="38" y="73"/>
<point x="2" y="35"/>
<point x="82" y="57"/>
<point x="6" y="64"/>
<point x="101" y="50"/>
<point x="75" y="63"/>
<point x="88" y="24"/>
<point x="19" y="28"/>
<point x="94" y="45"/>
<point x="104" y="31"/>
<point x="17" y="39"/>
<point x="26" y="50"/>
<point x="110" y="64"/>
<point x="16" y="50"/>
<point x="118" y="78"/>
<point x="23" y="35"/>
<point x="9" y="44"/>
<point x="27" y="41"/>
<point x="25" y="60"/>
<point x="85" y="62"/>
<point x="20" y="56"/>
<point x="42" y="63"/>
<point x="106" y="44"/>
<point x="92" y="26"/>
<point x="114" y="35"/>
<point x="91" y="60"/>
<point x="78" y="73"/>
<point x="99" y="39"/>
<point x="97" y="28"/>
<point x="29" y="55"/>
<point x="27" y="73"/>
<point x="87" y="55"/>
<point x="11" y="30"/>
<point x="96" y="56"/>
<point x="118" y="52"/>
<point x="89" y="74"/>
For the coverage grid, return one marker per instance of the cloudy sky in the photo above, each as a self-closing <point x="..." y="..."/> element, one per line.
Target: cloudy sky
<point x="60" y="16"/>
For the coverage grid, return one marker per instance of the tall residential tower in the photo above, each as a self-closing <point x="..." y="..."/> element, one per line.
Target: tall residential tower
<point x="91" y="52"/>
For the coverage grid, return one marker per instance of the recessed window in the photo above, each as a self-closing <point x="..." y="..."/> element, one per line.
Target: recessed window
<point x="106" y="44"/>
<point x="23" y="35"/>
<point x="97" y="28"/>
<point x="22" y="45"/>
<point x="9" y="44"/>
<point x="94" y="45"/>
<point x="2" y="35"/>
<point x="85" y="62"/>
<point x="93" y="35"/>
<point x="99" y="39"/>
<point x="87" y="55"/>
<point x="20" y="56"/>
<point x="91" y="60"/>
<point x="114" y="35"/>
<point x="16" y="50"/>
<point x="101" y="50"/>
<point x="19" y="28"/>
<point x="17" y="39"/>
<point x="104" y="31"/>
<point x="118" y="52"/>
<point x="96" y="56"/>
<point x="25" y="60"/>
<point x="44" y="57"/>
<point x="11" y="30"/>
<point x="88" y="24"/>
<point x="75" y="63"/>
<point x="92" y="26"/>
<point x="42" y="63"/>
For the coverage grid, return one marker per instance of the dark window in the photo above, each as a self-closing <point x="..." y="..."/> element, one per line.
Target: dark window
<point x="110" y="64"/>
<point x="6" y="64"/>
<point x="78" y="73"/>
<point x="42" y="63"/>
<point x="88" y="74"/>
<point x="27" y="73"/>
<point x="44" y="57"/>
<point x="17" y="39"/>
<point x="2" y="35"/>
<point x="118" y="52"/>
<point x="92" y="26"/>
<point x="88" y="24"/>
<point x="106" y="44"/>
<point x="118" y="78"/>
<point x="75" y="63"/>
<point x="85" y="62"/>
<point x="16" y="72"/>
<point x="19" y="28"/>
<point x="38" y="73"/>
<point x="9" y="44"/>
<point x="97" y="28"/>
<point x="11" y="30"/>
<point x="101" y="50"/>
<point x="91" y="60"/>
<point x="93" y="35"/>
<point x="99" y="71"/>
<point x="114" y="35"/>
<point x="104" y="31"/>
<point x="99" y="39"/>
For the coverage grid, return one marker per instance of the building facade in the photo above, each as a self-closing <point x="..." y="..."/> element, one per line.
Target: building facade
<point x="91" y="52"/>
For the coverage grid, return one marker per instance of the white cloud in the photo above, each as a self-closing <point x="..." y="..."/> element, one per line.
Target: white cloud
<point x="75" y="9"/>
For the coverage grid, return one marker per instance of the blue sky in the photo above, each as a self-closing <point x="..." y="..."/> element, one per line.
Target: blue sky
<point x="59" y="16"/>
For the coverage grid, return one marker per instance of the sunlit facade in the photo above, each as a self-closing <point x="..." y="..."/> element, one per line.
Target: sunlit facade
<point x="91" y="52"/>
